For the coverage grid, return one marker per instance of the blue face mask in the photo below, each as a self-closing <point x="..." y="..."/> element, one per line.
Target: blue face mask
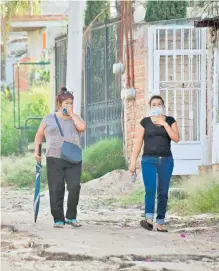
<point x="156" y="111"/>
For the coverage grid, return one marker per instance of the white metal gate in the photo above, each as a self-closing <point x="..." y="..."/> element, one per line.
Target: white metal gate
<point x="177" y="71"/>
<point x="215" y="90"/>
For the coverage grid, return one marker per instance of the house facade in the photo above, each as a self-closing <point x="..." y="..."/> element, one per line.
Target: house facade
<point x="30" y="38"/>
<point x="179" y="62"/>
<point x="171" y="58"/>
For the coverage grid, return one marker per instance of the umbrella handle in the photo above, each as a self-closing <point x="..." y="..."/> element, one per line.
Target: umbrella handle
<point x="40" y="150"/>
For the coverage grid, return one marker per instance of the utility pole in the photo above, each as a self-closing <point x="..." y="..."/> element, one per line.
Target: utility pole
<point x="74" y="53"/>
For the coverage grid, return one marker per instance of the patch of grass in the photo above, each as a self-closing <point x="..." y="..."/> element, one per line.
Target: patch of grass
<point x="203" y="196"/>
<point x="110" y="201"/>
<point x="101" y="158"/>
<point x="177" y="180"/>
<point x="137" y="198"/>
<point x="19" y="171"/>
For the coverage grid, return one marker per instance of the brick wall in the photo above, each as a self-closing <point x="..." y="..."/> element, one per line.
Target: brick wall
<point x="135" y="110"/>
<point x="23" y="74"/>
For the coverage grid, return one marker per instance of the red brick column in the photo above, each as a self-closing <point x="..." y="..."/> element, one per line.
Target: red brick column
<point x="135" y="110"/>
<point x="23" y="75"/>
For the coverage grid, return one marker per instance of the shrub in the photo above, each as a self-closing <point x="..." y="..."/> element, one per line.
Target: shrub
<point x="9" y="135"/>
<point x="202" y="196"/>
<point x="99" y="159"/>
<point x="34" y="103"/>
<point x="20" y="171"/>
<point x="165" y="10"/>
<point x="93" y="8"/>
<point x="102" y="157"/>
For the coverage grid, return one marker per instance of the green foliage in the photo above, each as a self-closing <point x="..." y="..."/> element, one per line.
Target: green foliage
<point x="9" y="9"/>
<point x="9" y="135"/>
<point x="165" y="10"/>
<point x="202" y="196"/>
<point x="102" y="157"/>
<point x="34" y="103"/>
<point x="101" y="60"/>
<point x="19" y="171"/>
<point x="93" y="8"/>
<point x="98" y="159"/>
<point x="44" y="76"/>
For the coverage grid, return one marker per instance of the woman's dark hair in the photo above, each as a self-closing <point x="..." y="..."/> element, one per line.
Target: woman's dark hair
<point x="63" y="95"/>
<point x="156" y="97"/>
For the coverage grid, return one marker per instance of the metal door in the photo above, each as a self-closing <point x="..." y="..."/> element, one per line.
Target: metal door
<point x="177" y="71"/>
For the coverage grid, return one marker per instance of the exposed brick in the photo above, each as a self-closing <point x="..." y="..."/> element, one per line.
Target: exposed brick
<point x="30" y="18"/>
<point x="139" y="73"/>
<point x="139" y="68"/>
<point x="139" y="62"/>
<point x="135" y="110"/>
<point x="139" y="81"/>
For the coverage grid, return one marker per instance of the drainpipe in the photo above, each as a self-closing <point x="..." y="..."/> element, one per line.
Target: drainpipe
<point x="131" y="45"/>
<point x="121" y="32"/>
<point x="127" y="45"/>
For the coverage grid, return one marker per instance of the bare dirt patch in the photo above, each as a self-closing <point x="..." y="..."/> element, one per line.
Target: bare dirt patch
<point x="110" y="239"/>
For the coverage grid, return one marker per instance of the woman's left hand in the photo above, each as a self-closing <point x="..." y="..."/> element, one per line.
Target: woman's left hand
<point x="159" y="121"/>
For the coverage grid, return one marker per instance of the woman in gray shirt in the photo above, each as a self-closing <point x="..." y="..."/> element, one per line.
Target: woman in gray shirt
<point x="59" y="170"/>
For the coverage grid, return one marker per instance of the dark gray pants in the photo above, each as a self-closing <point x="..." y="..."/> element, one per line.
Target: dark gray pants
<point x="59" y="170"/>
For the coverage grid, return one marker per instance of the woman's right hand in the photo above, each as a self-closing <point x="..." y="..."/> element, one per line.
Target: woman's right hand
<point x="132" y="168"/>
<point x="37" y="157"/>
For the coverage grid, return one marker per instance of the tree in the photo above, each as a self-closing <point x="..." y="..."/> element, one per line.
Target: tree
<point x="165" y="10"/>
<point x="93" y="8"/>
<point x="9" y="9"/>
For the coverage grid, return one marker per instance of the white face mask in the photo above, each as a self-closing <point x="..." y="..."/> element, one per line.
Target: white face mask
<point x="157" y="111"/>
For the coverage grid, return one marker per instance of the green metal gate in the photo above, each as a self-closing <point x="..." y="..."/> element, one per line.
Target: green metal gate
<point x="101" y="102"/>
<point x="103" y="106"/>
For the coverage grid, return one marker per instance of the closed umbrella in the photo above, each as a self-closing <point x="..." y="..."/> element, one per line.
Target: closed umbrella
<point x="36" y="203"/>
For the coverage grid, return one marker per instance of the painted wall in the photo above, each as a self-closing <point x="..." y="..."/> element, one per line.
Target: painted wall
<point x="35" y="44"/>
<point x="52" y="33"/>
<point x="215" y="145"/>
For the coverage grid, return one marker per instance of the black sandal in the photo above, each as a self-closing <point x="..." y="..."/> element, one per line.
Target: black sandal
<point x="163" y="230"/>
<point x="146" y="225"/>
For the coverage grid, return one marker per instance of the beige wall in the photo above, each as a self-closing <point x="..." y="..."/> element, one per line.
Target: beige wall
<point x="35" y="44"/>
<point x="52" y="81"/>
<point x="214" y="144"/>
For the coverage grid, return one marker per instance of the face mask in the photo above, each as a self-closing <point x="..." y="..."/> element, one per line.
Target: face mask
<point x="156" y="111"/>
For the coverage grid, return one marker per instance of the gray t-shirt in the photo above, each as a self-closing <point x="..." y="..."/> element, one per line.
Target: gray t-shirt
<point x="54" y="140"/>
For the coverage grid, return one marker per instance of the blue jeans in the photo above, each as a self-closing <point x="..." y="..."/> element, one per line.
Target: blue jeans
<point x="152" y="167"/>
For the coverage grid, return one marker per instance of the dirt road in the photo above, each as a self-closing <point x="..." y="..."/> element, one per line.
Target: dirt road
<point x="110" y="238"/>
